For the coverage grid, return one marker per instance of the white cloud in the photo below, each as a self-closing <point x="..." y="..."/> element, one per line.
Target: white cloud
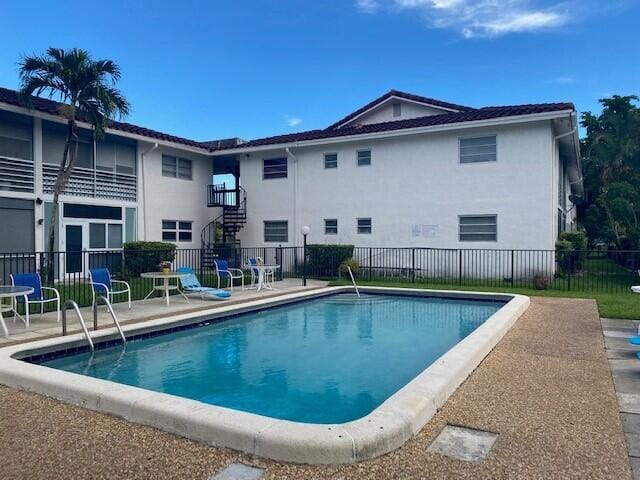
<point x="486" y="18"/>
<point x="367" y="6"/>
<point x="293" y="121"/>
<point x="564" y="79"/>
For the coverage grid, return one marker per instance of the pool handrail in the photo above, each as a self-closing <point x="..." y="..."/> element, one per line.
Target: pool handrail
<point x="105" y="300"/>
<point x="74" y="305"/>
<point x="353" y="280"/>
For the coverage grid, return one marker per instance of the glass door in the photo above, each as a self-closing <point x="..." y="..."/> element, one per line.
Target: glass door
<point x="74" y="244"/>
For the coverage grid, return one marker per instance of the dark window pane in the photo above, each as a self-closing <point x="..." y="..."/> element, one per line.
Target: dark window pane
<point x="364" y="225"/>
<point x="97" y="235"/>
<point x="115" y="235"/>
<point x="168" y="225"/>
<point x="276" y="231"/>
<point x="184" y="226"/>
<point x="184" y="236"/>
<point x="168" y="236"/>
<point x="330" y="160"/>
<point x="274" y="168"/>
<point x="364" y="158"/>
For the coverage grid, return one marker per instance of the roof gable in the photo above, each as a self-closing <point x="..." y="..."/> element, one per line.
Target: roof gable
<point x="422" y="106"/>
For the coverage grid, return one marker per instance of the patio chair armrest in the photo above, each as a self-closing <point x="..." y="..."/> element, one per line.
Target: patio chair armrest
<point x="236" y="270"/>
<point x="122" y="282"/>
<point x="51" y="289"/>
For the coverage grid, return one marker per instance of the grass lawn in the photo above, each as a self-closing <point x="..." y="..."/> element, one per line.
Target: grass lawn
<point x="611" y="305"/>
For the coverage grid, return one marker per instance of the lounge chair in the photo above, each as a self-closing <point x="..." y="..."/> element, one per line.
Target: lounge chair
<point x="102" y="284"/>
<point x="223" y="270"/>
<point x="38" y="296"/>
<point x="191" y="284"/>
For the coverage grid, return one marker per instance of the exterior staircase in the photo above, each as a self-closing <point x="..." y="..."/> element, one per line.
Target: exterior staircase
<point x="219" y="238"/>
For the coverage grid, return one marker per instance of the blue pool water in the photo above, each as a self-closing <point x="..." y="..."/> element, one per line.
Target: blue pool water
<point x="327" y="360"/>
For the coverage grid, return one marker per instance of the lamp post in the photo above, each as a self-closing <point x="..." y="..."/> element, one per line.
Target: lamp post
<point x="305" y="230"/>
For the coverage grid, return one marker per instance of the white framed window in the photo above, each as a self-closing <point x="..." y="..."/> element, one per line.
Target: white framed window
<point x="478" y="149"/>
<point x="330" y="160"/>
<point x="330" y="226"/>
<point x="274" y="168"/>
<point x="276" y="231"/>
<point x="177" y="167"/>
<point x="105" y="235"/>
<point x="115" y="156"/>
<point x="363" y="158"/>
<point x="478" y="228"/>
<point x="16" y="137"/>
<point x="364" y="226"/>
<point x="177" y="230"/>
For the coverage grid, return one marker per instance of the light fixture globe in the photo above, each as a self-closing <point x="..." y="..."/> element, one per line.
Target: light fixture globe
<point x="305" y="230"/>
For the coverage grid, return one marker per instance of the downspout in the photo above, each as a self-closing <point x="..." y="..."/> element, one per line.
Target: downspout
<point x="144" y="189"/>
<point x="555" y="169"/>
<point x="295" y="193"/>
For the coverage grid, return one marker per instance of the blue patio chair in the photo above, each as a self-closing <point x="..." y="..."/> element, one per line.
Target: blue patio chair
<point x="38" y="296"/>
<point x="102" y="284"/>
<point x="223" y="270"/>
<point x="191" y="284"/>
<point x="254" y="271"/>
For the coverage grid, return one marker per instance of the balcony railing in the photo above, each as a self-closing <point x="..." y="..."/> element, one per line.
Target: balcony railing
<point x="87" y="182"/>
<point x="16" y="175"/>
<point x="221" y="196"/>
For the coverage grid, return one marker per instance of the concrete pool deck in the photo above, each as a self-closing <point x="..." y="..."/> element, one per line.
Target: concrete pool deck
<point x="546" y="390"/>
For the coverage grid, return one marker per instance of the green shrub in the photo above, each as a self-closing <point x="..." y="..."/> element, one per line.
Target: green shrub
<point x="350" y="263"/>
<point x="564" y="257"/>
<point x="325" y="260"/>
<point x="142" y="257"/>
<point x="578" y="242"/>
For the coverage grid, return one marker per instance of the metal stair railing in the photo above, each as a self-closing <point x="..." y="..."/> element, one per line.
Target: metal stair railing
<point x="74" y="305"/>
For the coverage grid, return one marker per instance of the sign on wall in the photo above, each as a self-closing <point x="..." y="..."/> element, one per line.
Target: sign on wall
<point x="424" y="231"/>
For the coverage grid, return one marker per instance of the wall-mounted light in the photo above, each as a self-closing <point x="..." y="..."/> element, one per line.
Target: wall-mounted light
<point x="40" y="221"/>
<point x="39" y="201"/>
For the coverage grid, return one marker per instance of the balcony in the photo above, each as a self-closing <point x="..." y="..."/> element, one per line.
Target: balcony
<point x="221" y="196"/>
<point x="87" y="182"/>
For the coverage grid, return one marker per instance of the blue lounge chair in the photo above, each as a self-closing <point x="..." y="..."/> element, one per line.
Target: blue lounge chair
<point x="191" y="284"/>
<point x="223" y="270"/>
<point x="38" y="296"/>
<point x="102" y="284"/>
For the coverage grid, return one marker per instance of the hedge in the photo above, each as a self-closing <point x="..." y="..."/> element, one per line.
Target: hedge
<point x="142" y="257"/>
<point x="325" y="260"/>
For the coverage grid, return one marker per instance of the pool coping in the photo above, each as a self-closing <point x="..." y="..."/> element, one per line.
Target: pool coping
<point x="386" y="428"/>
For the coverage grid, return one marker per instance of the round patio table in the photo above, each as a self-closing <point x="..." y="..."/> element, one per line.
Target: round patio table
<point x="166" y="286"/>
<point x="262" y="277"/>
<point x="8" y="291"/>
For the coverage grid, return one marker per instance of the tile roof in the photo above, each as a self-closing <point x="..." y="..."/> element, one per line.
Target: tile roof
<point x="399" y="94"/>
<point x="44" y="105"/>
<point x="469" y="115"/>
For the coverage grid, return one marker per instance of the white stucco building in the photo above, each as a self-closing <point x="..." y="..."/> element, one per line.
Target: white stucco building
<point x="404" y="170"/>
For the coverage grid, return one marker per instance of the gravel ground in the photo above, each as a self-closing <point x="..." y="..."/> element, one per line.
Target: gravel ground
<point x="546" y="390"/>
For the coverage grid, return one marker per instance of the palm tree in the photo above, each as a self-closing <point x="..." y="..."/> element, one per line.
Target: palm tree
<point x="86" y="90"/>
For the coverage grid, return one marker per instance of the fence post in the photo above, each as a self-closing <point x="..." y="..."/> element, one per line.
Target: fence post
<point x="279" y="261"/>
<point x="413" y="265"/>
<point x="370" y="264"/>
<point x="569" y="271"/>
<point x="512" y="268"/>
<point x="459" y="266"/>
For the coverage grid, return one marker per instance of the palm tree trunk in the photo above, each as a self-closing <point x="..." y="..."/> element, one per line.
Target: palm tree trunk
<point x="64" y="173"/>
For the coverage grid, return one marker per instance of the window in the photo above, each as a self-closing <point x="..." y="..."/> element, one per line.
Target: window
<point x="364" y="225"/>
<point x="478" y="149"/>
<point x="364" y="158"/>
<point x="276" y="231"/>
<point x="478" y="228"/>
<point x="177" y="167"/>
<point x="114" y="156"/>
<point x="105" y="235"/>
<point x="397" y="109"/>
<point x="330" y="160"/>
<point x="330" y="226"/>
<point x="177" y="230"/>
<point x="54" y="139"/>
<point x="274" y="168"/>
<point x="15" y="136"/>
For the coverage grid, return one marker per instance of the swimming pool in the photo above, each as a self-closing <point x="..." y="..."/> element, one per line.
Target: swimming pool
<point x="328" y="360"/>
<point x="312" y="377"/>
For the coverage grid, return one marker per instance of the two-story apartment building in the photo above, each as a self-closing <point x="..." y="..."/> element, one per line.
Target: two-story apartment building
<point x="403" y="170"/>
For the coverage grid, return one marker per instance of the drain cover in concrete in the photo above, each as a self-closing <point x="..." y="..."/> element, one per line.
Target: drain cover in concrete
<point x="238" y="471"/>
<point x="463" y="443"/>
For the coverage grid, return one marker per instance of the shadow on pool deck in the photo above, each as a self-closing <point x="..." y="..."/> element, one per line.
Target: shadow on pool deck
<point x="546" y="389"/>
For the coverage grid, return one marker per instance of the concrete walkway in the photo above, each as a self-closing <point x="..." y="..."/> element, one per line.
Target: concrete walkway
<point x="625" y="369"/>
<point x="47" y="325"/>
<point x="545" y="391"/>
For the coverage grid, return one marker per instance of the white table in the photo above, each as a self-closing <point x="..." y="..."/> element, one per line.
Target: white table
<point x="166" y="286"/>
<point x="7" y="291"/>
<point x="262" y="277"/>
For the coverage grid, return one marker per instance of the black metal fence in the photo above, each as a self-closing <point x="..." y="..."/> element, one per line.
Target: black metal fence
<point x="586" y="271"/>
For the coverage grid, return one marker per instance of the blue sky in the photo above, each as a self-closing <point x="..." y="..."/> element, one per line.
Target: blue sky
<point x="207" y="70"/>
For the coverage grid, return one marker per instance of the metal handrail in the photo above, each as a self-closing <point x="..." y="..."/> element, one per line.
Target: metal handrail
<point x="74" y="305"/>
<point x="105" y="300"/>
<point x="353" y="280"/>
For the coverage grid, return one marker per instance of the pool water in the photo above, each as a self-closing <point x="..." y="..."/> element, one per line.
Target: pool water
<point x="328" y="360"/>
